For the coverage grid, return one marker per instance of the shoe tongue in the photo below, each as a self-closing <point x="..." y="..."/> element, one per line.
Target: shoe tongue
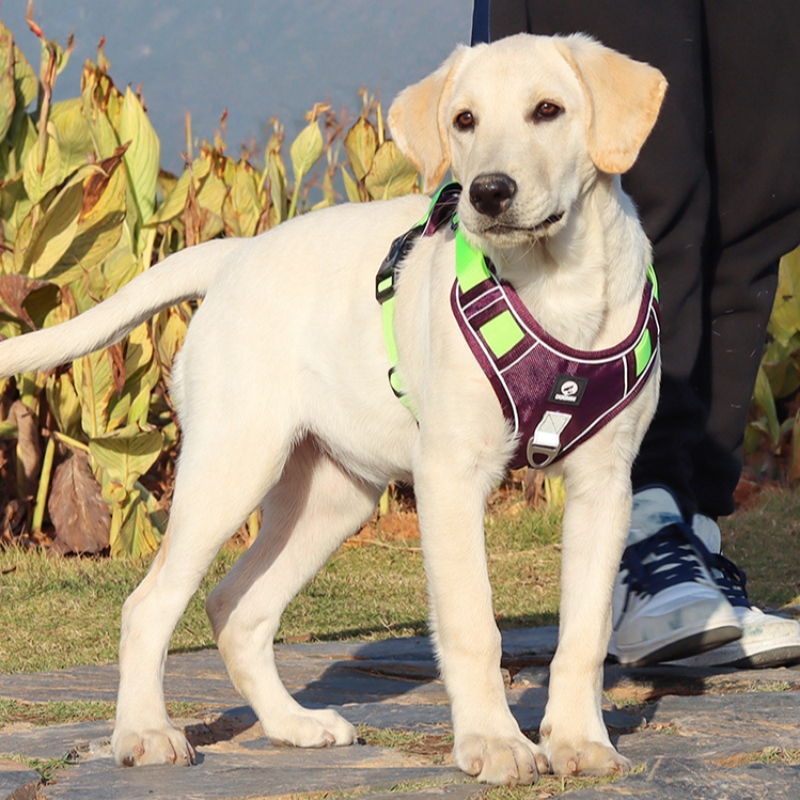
<point x="653" y="510"/>
<point x="708" y="532"/>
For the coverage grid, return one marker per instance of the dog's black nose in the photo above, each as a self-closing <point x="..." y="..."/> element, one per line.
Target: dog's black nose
<point x="492" y="194"/>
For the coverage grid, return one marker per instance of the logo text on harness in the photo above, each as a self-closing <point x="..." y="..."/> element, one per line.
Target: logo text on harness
<point x="568" y="389"/>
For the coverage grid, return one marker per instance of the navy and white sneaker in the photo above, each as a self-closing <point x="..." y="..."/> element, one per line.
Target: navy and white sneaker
<point x="767" y="640"/>
<point x="666" y="604"/>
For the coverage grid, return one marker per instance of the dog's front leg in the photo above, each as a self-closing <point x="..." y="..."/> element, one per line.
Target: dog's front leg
<point x="451" y="496"/>
<point x="596" y="520"/>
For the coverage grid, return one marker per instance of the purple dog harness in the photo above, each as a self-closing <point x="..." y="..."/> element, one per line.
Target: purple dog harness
<point x="554" y="396"/>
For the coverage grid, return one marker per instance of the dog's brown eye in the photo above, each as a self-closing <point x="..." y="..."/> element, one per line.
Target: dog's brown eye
<point x="546" y="111"/>
<point x="464" y="121"/>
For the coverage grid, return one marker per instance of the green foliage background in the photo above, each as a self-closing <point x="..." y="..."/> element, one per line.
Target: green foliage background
<point x="87" y="450"/>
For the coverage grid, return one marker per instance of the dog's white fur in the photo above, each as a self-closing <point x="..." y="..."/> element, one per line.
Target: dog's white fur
<point x="283" y="400"/>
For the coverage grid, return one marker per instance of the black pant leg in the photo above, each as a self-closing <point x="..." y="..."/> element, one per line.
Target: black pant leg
<point x="670" y="184"/>
<point x="754" y="68"/>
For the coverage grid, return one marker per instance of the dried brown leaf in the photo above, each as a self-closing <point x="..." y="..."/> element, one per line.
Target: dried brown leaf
<point x="96" y="183"/>
<point x="14" y="291"/>
<point x="77" y="510"/>
<point x="29" y="454"/>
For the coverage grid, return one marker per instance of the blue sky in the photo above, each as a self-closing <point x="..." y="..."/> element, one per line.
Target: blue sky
<point x="258" y="58"/>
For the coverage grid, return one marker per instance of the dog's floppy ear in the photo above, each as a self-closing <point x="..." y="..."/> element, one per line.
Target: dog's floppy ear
<point x="416" y="119"/>
<point x="624" y="99"/>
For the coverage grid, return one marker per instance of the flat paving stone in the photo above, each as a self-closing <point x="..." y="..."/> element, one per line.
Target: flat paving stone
<point x="447" y="792"/>
<point x="696" y="732"/>
<point x="53" y="741"/>
<point x="225" y="776"/>
<point x="691" y="779"/>
<point x="17" y="782"/>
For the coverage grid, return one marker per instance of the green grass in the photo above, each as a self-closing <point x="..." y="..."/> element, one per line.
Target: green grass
<point x="765" y="540"/>
<point x="62" y="713"/>
<point x="57" y="612"/>
<point x="45" y="767"/>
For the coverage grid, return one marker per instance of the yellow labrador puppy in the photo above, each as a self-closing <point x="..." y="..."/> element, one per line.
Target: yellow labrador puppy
<point x="290" y="328"/>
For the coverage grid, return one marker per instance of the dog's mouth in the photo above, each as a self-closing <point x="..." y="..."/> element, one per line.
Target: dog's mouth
<point x="501" y="228"/>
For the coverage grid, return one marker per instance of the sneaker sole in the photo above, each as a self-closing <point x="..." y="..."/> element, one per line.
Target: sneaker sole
<point x="691" y="645"/>
<point x="734" y="656"/>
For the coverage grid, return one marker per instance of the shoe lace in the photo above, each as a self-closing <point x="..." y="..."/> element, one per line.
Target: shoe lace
<point x="673" y="555"/>
<point x="730" y="578"/>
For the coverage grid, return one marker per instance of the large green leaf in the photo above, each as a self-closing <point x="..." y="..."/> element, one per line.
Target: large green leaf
<point x="175" y="202"/>
<point x="140" y="525"/>
<point x="305" y="151"/>
<point x="127" y="454"/>
<point x="785" y="320"/>
<point x="350" y="187"/>
<point x="102" y="107"/>
<point x="360" y="144"/>
<point x="73" y="135"/>
<point x="99" y="225"/>
<point x="276" y="175"/>
<point x="390" y="175"/>
<point x="142" y="157"/>
<point x="54" y="233"/>
<point x="14" y="207"/>
<point x="23" y="137"/>
<point x="26" y="82"/>
<point x="211" y="194"/>
<point x="64" y="404"/>
<point x="8" y="98"/>
<point x="94" y="381"/>
<point x="169" y="331"/>
<point x="766" y="402"/>
<point x="39" y="181"/>
<point x="243" y="204"/>
<point x="141" y="376"/>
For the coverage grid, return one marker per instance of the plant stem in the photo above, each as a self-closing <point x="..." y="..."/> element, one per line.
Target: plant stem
<point x="44" y="485"/>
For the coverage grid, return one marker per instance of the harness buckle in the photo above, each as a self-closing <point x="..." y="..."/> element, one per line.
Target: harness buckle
<point x="387" y="274"/>
<point x="546" y="439"/>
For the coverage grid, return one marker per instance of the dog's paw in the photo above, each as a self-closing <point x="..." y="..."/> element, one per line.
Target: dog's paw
<point x="506" y="760"/>
<point x="588" y="758"/>
<point x="311" y="728"/>
<point x="163" y="746"/>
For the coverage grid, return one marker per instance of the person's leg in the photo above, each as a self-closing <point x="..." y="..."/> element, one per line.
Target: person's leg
<point x="754" y="72"/>
<point x="671" y="187"/>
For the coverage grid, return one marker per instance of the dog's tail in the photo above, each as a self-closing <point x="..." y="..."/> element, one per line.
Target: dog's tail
<point x="183" y="276"/>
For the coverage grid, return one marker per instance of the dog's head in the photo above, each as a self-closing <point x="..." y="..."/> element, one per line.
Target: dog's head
<point x="525" y="124"/>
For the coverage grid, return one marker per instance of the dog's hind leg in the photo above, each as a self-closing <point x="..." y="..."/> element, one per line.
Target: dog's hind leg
<point x="209" y="504"/>
<point x="314" y="507"/>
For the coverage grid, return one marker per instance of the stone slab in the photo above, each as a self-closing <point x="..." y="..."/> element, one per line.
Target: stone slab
<point x="54" y="741"/>
<point x="17" y="782"/>
<point x="201" y="676"/>
<point x="695" y="736"/>
<point x="717" y="727"/>
<point x="451" y="791"/>
<point x="689" y="779"/>
<point x="225" y="776"/>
